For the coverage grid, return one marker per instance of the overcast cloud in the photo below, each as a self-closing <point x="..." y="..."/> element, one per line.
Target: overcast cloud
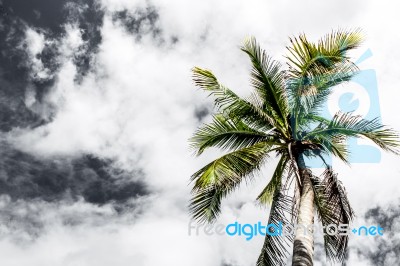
<point x="97" y="104"/>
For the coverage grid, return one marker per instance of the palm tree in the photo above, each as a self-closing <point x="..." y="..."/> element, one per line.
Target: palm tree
<point x="282" y="117"/>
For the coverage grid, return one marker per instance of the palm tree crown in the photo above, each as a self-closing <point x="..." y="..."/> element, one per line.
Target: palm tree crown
<point x="282" y="117"/>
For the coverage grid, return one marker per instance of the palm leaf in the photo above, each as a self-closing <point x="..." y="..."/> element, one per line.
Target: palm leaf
<point x="222" y="176"/>
<point x="308" y="99"/>
<point x="229" y="103"/>
<point x="335" y="145"/>
<point x="275" y="249"/>
<point x="314" y="70"/>
<point x="225" y="133"/>
<point x="333" y="207"/>
<point x="309" y="59"/>
<point x="268" y="80"/>
<point x="348" y="125"/>
<point x="274" y="184"/>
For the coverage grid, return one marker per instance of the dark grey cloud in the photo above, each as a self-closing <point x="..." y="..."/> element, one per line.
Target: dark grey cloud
<point x="142" y="21"/>
<point x="201" y="112"/>
<point x="48" y="17"/>
<point x="226" y="264"/>
<point x="51" y="15"/>
<point x="24" y="176"/>
<point x="89" y="16"/>
<point x="23" y="221"/>
<point x="319" y="253"/>
<point x="47" y="14"/>
<point x="13" y="111"/>
<point x="12" y="74"/>
<point x="37" y="192"/>
<point x="387" y="251"/>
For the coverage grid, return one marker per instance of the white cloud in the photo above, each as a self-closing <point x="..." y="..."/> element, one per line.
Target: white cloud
<point x="35" y="42"/>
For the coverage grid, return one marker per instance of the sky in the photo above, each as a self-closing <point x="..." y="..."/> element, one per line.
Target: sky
<point x="97" y="105"/>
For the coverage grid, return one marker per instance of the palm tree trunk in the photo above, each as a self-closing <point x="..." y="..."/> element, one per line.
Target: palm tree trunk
<point x="303" y="246"/>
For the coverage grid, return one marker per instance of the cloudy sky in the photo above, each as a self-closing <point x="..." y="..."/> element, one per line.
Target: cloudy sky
<point x="97" y="104"/>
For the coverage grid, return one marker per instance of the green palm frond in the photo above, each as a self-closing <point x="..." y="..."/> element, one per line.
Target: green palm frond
<point x="274" y="184"/>
<point x="348" y="125"/>
<point x="307" y="100"/>
<point x="333" y="207"/>
<point x="205" y="204"/>
<point x="314" y="70"/>
<point x="226" y="133"/>
<point x="339" y="42"/>
<point x="275" y="249"/>
<point x="336" y="145"/>
<point x="222" y="176"/>
<point x="318" y="119"/>
<point x="310" y="59"/>
<point x="268" y="80"/>
<point x="230" y="104"/>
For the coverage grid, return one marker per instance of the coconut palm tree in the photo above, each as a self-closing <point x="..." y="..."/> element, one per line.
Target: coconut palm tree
<point x="282" y="117"/>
